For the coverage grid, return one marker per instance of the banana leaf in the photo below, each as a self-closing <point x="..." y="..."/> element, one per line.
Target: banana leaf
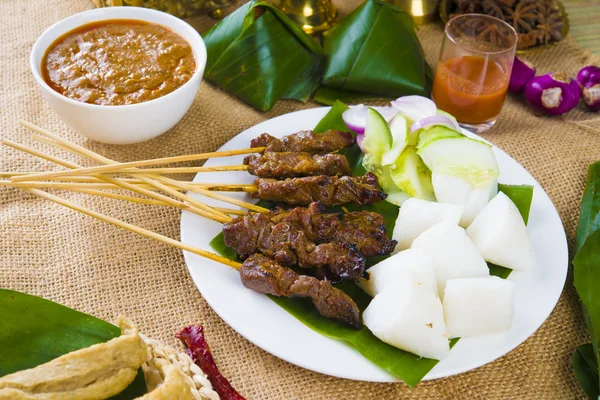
<point x="403" y="365"/>
<point x="586" y="274"/>
<point x="260" y="55"/>
<point x="373" y="52"/>
<point x="34" y="331"/>
<point x="585" y="367"/>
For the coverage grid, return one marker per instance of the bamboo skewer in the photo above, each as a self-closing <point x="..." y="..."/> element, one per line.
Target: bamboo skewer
<point x="149" y="178"/>
<point x="62" y="185"/>
<point x="145" y="163"/>
<point x="100" y="185"/>
<point x="128" y="171"/>
<point x="116" y="196"/>
<point x="117" y="182"/>
<point x="156" y="181"/>
<point x="95" y="189"/>
<point x="136" y="229"/>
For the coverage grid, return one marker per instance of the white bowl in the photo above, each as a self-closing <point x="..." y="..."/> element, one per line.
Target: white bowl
<point x="130" y="123"/>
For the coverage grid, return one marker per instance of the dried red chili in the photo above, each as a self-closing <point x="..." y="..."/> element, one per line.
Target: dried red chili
<point x="193" y="339"/>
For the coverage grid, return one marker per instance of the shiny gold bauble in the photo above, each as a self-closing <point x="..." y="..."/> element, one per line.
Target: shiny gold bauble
<point x="179" y="8"/>
<point x="421" y="11"/>
<point x="312" y="15"/>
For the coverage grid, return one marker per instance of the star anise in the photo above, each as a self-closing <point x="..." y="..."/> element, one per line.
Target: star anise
<point x="493" y="8"/>
<point x="468" y="6"/>
<point x="524" y="16"/>
<point x="536" y="21"/>
<point x="550" y="25"/>
<point x="527" y="40"/>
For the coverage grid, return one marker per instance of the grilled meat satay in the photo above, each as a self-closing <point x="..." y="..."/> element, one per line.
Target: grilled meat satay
<point x="364" y="230"/>
<point x="306" y="141"/>
<point x="290" y="164"/>
<point x="329" y="190"/>
<point x="263" y="275"/>
<point x="288" y="244"/>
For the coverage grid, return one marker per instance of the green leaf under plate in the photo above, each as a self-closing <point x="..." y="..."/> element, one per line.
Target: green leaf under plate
<point x="34" y="331"/>
<point x="374" y="51"/>
<point x="259" y="55"/>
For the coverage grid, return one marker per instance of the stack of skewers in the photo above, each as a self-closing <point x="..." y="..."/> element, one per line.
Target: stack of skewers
<point x="304" y="173"/>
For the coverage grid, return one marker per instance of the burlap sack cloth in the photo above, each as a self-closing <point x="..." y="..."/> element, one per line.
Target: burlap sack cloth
<point x="70" y="258"/>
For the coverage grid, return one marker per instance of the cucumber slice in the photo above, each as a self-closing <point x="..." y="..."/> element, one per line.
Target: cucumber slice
<point x="447" y="115"/>
<point x="377" y="139"/>
<point x="399" y="130"/>
<point x="412" y="176"/>
<point x="463" y="157"/>
<point x="394" y="194"/>
<point x="434" y="133"/>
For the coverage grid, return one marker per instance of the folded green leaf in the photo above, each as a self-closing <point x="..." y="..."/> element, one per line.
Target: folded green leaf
<point x="589" y="222"/>
<point x="585" y="367"/>
<point x="403" y="365"/>
<point x="586" y="276"/>
<point x="260" y="55"/>
<point x="374" y="51"/>
<point x="328" y="96"/>
<point x="589" y="217"/>
<point x="34" y="331"/>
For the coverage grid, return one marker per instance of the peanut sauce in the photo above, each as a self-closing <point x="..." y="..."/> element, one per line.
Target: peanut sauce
<point x="118" y="62"/>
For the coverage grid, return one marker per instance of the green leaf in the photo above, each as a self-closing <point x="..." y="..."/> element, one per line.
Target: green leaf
<point x="403" y="365"/>
<point x="585" y="367"/>
<point x="375" y="51"/>
<point x="260" y="56"/>
<point x="34" y="331"/>
<point x="589" y="222"/>
<point x="586" y="276"/>
<point x="589" y="217"/>
<point x="333" y="119"/>
<point x="521" y="195"/>
<point x="328" y="96"/>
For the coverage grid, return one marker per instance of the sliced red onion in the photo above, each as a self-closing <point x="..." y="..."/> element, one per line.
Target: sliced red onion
<point x="359" y="140"/>
<point x="522" y="72"/>
<point x="552" y="94"/>
<point x="356" y="117"/>
<point x="415" y="108"/>
<point x="591" y="90"/>
<point x="434" y="120"/>
<point x="585" y="73"/>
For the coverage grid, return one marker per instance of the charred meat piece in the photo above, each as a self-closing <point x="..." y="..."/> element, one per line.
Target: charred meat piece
<point x="329" y="190"/>
<point x="306" y="141"/>
<point x="290" y="164"/>
<point x="263" y="275"/>
<point x="363" y="230"/>
<point x="288" y="244"/>
<point x="242" y="234"/>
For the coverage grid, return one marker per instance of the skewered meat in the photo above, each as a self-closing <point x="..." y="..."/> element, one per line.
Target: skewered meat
<point x="365" y="230"/>
<point x="329" y="190"/>
<point x="263" y="275"/>
<point x="290" y="164"/>
<point x="287" y="243"/>
<point x="308" y="141"/>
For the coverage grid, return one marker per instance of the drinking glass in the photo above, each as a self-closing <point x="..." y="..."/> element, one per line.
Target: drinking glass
<point x="473" y="70"/>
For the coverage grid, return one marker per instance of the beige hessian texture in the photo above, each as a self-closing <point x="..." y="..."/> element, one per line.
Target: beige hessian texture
<point x="70" y="258"/>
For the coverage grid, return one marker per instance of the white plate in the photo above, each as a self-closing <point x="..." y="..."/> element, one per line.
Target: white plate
<point x="264" y="323"/>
